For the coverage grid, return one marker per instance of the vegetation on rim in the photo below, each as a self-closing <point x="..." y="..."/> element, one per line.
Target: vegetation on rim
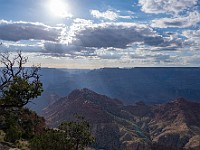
<point x="18" y="87"/>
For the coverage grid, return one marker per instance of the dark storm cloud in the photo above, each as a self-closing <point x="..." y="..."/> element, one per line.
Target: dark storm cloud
<point x="116" y="35"/>
<point x="16" y="31"/>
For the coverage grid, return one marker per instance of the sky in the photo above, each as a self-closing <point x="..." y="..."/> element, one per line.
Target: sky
<point x="102" y="33"/>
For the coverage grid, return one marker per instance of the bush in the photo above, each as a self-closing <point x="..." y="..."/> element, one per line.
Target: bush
<point x="73" y="135"/>
<point x="2" y="135"/>
<point x="13" y="133"/>
<point x="50" y="140"/>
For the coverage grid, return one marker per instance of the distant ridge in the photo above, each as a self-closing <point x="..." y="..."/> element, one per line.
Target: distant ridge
<point x="171" y="126"/>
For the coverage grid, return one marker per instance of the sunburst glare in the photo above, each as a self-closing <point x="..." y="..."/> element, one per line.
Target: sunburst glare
<point x="59" y="8"/>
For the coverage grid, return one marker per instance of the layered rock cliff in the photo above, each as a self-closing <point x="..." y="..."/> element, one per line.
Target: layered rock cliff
<point x="174" y="125"/>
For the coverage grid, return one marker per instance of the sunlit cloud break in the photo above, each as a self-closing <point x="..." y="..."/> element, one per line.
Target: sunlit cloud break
<point x="126" y="33"/>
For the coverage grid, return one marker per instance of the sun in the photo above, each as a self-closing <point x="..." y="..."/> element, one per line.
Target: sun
<point x="59" y="8"/>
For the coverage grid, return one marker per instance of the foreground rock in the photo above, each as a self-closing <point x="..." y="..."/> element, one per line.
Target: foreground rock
<point x="7" y="146"/>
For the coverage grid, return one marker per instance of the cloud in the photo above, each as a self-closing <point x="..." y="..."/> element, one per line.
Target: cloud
<point x="113" y="34"/>
<point x="166" y="6"/>
<point x="110" y="15"/>
<point x="192" y="39"/>
<point x="16" y="31"/>
<point x="110" y="40"/>
<point x="66" y="50"/>
<point x="31" y="46"/>
<point x="193" y="60"/>
<point x="193" y="35"/>
<point x="152" y="58"/>
<point x="161" y="58"/>
<point x="101" y="41"/>
<point x="172" y="42"/>
<point x="178" y="22"/>
<point x="109" y="53"/>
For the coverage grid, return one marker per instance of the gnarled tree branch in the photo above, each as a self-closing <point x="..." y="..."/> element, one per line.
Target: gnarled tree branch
<point x="18" y="85"/>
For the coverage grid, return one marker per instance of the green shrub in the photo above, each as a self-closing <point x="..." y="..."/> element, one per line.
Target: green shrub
<point x="13" y="133"/>
<point x="51" y="140"/>
<point x="74" y="135"/>
<point x="2" y="135"/>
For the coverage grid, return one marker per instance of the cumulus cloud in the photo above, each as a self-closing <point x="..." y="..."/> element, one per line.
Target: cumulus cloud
<point x="116" y="35"/>
<point x="110" y="15"/>
<point x="109" y="53"/>
<point x="193" y="35"/>
<point x="166" y="6"/>
<point x="24" y="46"/>
<point x="16" y="31"/>
<point x="192" y="39"/>
<point x="178" y="22"/>
<point x="66" y="50"/>
<point x="111" y="40"/>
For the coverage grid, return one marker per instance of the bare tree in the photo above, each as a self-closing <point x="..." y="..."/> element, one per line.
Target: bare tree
<point x="18" y="85"/>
